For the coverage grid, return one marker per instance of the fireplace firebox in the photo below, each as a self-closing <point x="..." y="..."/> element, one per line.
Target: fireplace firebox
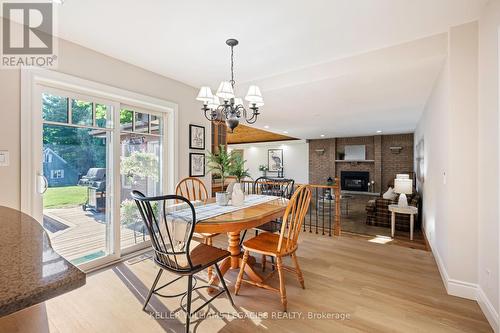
<point x="354" y="181"/>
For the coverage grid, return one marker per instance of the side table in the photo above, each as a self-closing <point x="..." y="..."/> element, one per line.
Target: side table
<point x="410" y="210"/>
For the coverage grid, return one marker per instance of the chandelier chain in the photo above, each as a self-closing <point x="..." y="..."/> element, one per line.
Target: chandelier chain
<point x="232" y="67"/>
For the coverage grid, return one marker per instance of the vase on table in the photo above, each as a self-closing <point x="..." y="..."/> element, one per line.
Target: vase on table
<point x="237" y="197"/>
<point x="222" y="198"/>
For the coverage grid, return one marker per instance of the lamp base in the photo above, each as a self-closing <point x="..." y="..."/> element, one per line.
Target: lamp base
<point x="403" y="201"/>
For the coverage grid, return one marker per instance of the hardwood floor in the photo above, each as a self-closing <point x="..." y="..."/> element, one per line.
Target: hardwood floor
<point x="362" y="286"/>
<point x="400" y="239"/>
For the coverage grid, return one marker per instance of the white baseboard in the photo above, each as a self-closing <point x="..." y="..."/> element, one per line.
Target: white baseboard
<point x="462" y="289"/>
<point x="467" y="290"/>
<point x="488" y="309"/>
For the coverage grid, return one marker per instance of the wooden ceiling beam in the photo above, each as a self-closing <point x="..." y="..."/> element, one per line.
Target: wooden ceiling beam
<point x="247" y="134"/>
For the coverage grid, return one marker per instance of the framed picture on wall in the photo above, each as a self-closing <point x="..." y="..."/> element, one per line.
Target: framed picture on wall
<point x="196" y="165"/>
<point x="196" y="137"/>
<point x="275" y="159"/>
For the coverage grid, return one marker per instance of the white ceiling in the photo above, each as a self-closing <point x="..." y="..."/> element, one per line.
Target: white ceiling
<point x="325" y="66"/>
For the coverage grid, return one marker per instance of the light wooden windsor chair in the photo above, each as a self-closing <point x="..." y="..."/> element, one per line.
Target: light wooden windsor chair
<point x="194" y="190"/>
<point x="279" y="246"/>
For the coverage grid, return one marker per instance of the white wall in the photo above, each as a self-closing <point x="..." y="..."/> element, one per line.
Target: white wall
<point x="295" y="158"/>
<point x="488" y="158"/>
<point x="460" y="191"/>
<point x="449" y="129"/>
<point x="462" y="152"/>
<point x="84" y="63"/>
<point x="432" y="129"/>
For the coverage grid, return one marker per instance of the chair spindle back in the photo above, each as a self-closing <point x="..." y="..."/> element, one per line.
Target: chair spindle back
<point x="275" y="187"/>
<point x="193" y="189"/>
<point x="170" y="221"/>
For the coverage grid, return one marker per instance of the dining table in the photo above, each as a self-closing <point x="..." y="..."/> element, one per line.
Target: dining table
<point x="233" y="223"/>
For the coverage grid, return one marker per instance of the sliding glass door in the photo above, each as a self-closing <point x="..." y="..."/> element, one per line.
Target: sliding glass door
<point x="141" y="158"/>
<point x="93" y="153"/>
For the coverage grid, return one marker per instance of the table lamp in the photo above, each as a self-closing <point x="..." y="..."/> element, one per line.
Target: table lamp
<point x="403" y="187"/>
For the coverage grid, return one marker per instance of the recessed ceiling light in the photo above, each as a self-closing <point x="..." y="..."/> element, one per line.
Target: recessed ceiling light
<point x="59" y="2"/>
<point x="322" y="135"/>
<point x="379" y="131"/>
<point x="266" y="126"/>
<point x="286" y="132"/>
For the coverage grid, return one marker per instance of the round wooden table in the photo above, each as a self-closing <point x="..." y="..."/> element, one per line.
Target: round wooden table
<point x="233" y="223"/>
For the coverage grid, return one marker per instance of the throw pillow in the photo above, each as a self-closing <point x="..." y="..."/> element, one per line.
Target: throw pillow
<point x="390" y="194"/>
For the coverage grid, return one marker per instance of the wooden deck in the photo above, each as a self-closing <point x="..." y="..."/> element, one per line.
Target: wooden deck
<point x="85" y="234"/>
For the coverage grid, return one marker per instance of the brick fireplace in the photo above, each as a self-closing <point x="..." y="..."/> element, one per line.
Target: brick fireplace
<point x="386" y="155"/>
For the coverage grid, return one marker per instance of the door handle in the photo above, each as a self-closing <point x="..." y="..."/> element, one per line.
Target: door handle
<point x="43" y="184"/>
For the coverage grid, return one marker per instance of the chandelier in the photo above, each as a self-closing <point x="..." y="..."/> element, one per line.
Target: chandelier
<point x="231" y="110"/>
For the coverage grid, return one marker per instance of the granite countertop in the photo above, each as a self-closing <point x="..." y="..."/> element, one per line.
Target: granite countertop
<point x="30" y="270"/>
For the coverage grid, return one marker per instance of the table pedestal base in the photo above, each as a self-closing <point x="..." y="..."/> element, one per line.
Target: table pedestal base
<point x="235" y="261"/>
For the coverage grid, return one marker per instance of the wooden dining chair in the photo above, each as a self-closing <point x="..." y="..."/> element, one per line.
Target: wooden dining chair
<point x="171" y="229"/>
<point x="280" y="245"/>
<point x="274" y="187"/>
<point x="194" y="190"/>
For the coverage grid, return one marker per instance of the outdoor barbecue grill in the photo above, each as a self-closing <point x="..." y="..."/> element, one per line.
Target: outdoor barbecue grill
<point x="95" y="181"/>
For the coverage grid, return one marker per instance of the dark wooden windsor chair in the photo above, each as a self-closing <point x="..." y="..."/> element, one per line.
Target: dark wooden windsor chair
<point x="275" y="187"/>
<point x="170" y="221"/>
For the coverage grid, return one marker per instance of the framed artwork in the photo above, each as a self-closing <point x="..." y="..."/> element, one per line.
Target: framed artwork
<point x="196" y="165"/>
<point x="419" y="156"/>
<point x="275" y="159"/>
<point x="196" y="137"/>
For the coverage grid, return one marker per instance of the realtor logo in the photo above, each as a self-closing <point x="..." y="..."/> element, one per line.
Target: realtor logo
<point x="27" y="34"/>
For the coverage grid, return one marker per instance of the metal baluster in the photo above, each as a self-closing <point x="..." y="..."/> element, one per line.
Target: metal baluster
<point x="317" y="208"/>
<point x="323" y="207"/>
<point x="330" y="216"/>
<point x="310" y="216"/>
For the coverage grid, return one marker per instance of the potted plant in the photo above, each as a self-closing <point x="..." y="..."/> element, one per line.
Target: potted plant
<point x="237" y="169"/>
<point x="264" y="169"/>
<point x="219" y="163"/>
<point x="140" y="165"/>
<point x="130" y="217"/>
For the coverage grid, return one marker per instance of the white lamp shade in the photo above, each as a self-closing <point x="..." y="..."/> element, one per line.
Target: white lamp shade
<point x="205" y="95"/>
<point x="214" y="103"/>
<point x="225" y="90"/>
<point x="238" y="101"/>
<point x="402" y="176"/>
<point x="403" y="186"/>
<point x="254" y="95"/>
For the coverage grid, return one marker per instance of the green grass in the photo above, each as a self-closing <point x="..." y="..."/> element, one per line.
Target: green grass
<point x="68" y="196"/>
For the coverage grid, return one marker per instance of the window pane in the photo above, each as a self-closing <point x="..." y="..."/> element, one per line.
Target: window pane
<point x="81" y="112"/>
<point x="101" y="115"/>
<point x="139" y="170"/>
<point x="156" y="124"/>
<point x="77" y="199"/>
<point x="141" y="122"/>
<point x="126" y="120"/>
<point x="54" y="108"/>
